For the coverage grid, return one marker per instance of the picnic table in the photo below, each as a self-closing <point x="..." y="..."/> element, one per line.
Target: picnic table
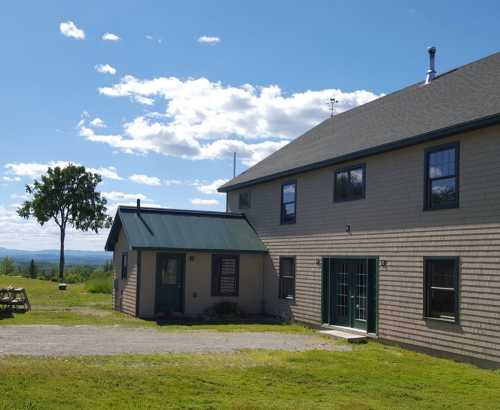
<point x="14" y="299"/>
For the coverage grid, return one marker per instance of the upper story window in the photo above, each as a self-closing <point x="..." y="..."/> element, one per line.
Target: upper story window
<point x="441" y="177"/>
<point x="244" y="200"/>
<point x="350" y="183"/>
<point x="441" y="288"/>
<point x="124" y="265"/>
<point x="288" y="202"/>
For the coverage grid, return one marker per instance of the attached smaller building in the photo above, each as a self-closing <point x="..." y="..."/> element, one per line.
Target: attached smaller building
<point x="183" y="262"/>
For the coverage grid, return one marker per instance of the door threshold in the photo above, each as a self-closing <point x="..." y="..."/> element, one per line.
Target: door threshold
<point x="344" y="329"/>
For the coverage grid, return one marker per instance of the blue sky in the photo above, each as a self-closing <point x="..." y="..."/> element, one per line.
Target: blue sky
<point x="159" y="104"/>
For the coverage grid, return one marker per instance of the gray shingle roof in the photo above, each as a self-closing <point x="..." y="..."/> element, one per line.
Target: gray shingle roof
<point x="157" y="228"/>
<point x="465" y="98"/>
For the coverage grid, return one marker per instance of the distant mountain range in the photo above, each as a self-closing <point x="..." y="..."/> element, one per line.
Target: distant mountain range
<point x="52" y="256"/>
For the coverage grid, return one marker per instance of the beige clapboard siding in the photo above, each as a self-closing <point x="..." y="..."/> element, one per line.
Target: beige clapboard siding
<point x="124" y="296"/>
<point x="390" y="223"/>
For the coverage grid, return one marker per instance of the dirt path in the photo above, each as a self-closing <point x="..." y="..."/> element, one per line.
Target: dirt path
<point x="51" y="340"/>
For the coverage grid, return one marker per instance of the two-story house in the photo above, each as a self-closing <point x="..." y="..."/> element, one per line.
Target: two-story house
<point x="384" y="219"/>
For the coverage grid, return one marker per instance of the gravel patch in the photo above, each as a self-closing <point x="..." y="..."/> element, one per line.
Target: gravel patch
<point x="53" y="340"/>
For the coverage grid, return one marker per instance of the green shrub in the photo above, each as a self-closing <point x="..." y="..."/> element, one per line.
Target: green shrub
<point x="99" y="283"/>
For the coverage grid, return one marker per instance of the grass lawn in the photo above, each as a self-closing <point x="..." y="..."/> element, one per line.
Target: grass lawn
<point x="76" y="306"/>
<point x="372" y="376"/>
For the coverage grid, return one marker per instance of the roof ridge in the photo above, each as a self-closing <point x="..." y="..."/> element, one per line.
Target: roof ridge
<point x="192" y="212"/>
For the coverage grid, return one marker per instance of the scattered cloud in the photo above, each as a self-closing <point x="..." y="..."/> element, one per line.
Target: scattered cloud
<point x="210" y="188"/>
<point x="35" y="169"/>
<point x="97" y="123"/>
<point x="117" y="196"/>
<point x="105" y="69"/>
<point x="69" y="29"/>
<point x="110" y="37"/>
<point x="171" y="182"/>
<point x="106" y="172"/>
<point x="209" y="120"/>
<point x="6" y="178"/>
<point x="209" y="40"/>
<point x="149" y="37"/>
<point x="204" y="202"/>
<point x="145" y="180"/>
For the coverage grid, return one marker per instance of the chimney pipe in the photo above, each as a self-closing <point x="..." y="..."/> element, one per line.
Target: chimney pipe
<point x="431" y="72"/>
<point x="138" y="205"/>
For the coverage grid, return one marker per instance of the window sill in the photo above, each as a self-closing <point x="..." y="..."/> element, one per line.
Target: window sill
<point x="289" y="299"/>
<point x="442" y="208"/>
<point x="437" y="319"/>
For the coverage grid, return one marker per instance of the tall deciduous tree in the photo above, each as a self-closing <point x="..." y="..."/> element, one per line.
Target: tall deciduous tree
<point x="68" y="197"/>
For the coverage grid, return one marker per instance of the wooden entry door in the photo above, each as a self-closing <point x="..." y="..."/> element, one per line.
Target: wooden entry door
<point x="349" y="292"/>
<point x="169" y="282"/>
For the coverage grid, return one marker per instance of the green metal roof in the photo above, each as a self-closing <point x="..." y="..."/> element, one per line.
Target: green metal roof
<point x="157" y="228"/>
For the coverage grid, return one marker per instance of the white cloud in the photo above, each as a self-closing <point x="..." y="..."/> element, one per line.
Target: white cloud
<point x="171" y="182"/>
<point x="145" y="180"/>
<point x="208" y="120"/>
<point x="69" y="29"/>
<point x="209" y="188"/>
<point x="110" y="37"/>
<point x="96" y="123"/>
<point x="204" y="202"/>
<point x="106" y="172"/>
<point x="209" y="39"/>
<point x="6" y="178"/>
<point x="105" y="69"/>
<point x="35" y="169"/>
<point x="118" y="196"/>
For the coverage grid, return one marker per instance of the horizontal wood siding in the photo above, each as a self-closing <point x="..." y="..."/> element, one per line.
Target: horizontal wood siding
<point x="124" y="296"/>
<point x="391" y="224"/>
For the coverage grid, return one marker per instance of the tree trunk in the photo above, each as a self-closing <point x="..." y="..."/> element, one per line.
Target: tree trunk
<point x="61" y="257"/>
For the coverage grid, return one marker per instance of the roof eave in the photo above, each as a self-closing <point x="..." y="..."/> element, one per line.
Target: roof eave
<point x="407" y="142"/>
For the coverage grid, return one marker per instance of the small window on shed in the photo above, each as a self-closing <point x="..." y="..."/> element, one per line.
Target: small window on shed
<point x="244" y="200"/>
<point x="441" y="177"/>
<point x="225" y="275"/>
<point x="288" y="203"/>
<point x="124" y="265"/>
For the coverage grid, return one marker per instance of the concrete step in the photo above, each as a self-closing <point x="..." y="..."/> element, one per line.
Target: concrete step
<point x="351" y="337"/>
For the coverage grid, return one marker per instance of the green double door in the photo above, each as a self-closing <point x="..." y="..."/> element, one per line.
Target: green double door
<point x="169" y="282"/>
<point x="349" y="292"/>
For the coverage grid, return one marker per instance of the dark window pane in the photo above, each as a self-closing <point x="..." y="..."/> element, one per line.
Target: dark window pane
<point x="442" y="273"/>
<point x="342" y="185"/>
<point x="443" y="192"/>
<point x="244" y="200"/>
<point x="169" y="272"/>
<point x="442" y="163"/>
<point x="287" y="278"/>
<point x="289" y="193"/>
<point x="349" y="184"/>
<point x="442" y="303"/>
<point x="441" y="288"/>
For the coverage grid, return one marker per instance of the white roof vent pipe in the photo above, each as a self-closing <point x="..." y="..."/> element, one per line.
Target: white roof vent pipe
<point x="431" y="72"/>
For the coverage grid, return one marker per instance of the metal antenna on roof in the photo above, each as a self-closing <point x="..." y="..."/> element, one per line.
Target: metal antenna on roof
<point x="234" y="164"/>
<point x="331" y="104"/>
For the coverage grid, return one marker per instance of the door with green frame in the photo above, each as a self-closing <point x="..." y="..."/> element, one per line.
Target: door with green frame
<point x="169" y="282"/>
<point x="349" y="292"/>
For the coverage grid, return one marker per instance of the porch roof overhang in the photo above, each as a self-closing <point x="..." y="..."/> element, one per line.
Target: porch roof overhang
<point x="184" y="230"/>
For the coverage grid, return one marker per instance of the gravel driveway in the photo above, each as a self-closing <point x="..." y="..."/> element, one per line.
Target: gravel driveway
<point x="50" y="340"/>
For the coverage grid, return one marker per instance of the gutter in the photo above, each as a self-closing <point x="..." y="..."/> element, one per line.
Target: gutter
<point x="407" y="142"/>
